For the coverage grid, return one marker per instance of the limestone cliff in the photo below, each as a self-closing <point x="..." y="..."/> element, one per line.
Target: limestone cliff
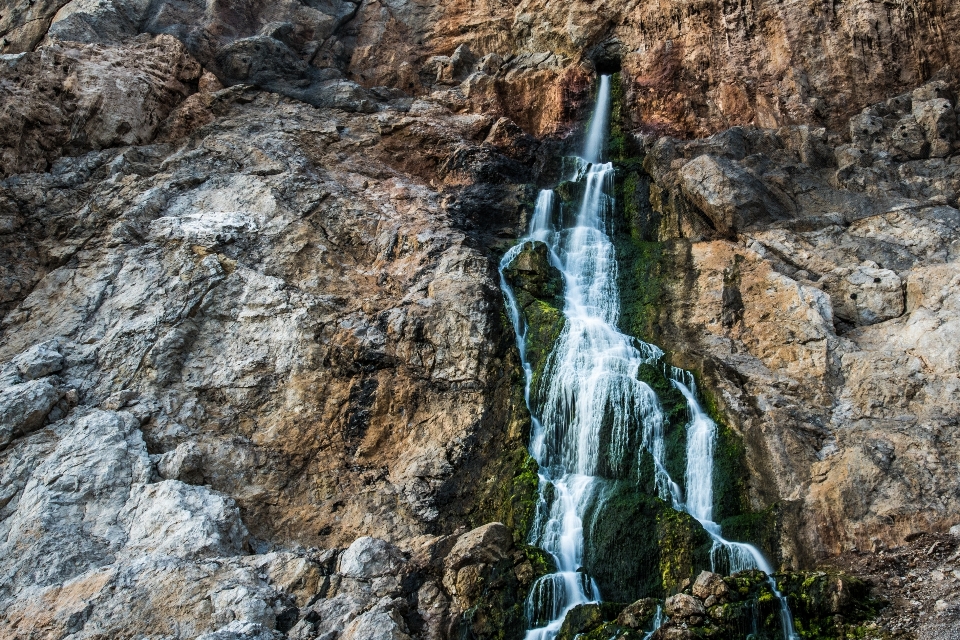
<point x="256" y="377"/>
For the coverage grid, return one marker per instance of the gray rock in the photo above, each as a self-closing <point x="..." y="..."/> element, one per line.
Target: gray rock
<point x="183" y="463"/>
<point x="242" y="630"/>
<point x="710" y="584"/>
<point x="865" y="129"/>
<point x="332" y="615"/>
<point x="939" y="122"/>
<point x="683" y="606"/>
<point x="24" y="408"/>
<point x="65" y="522"/>
<point x="639" y="614"/>
<point x="367" y="558"/>
<point x="483" y="545"/>
<point x="176" y="519"/>
<point x="40" y="360"/>
<point x="909" y="139"/>
<point x="868" y="295"/>
<point x="730" y="197"/>
<point x="376" y="625"/>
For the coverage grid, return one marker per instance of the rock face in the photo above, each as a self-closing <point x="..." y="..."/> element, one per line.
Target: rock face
<point x="689" y="69"/>
<point x="256" y="375"/>
<point x="239" y="329"/>
<point x="831" y="323"/>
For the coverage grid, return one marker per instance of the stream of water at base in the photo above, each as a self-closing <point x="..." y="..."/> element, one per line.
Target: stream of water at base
<point x="591" y="383"/>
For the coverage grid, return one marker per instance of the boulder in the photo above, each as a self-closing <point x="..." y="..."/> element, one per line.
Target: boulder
<point x="583" y="618"/>
<point x="868" y="295"/>
<point x="939" y="122"/>
<point x="683" y="606"/>
<point x="180" y="520"/>
<point x="710" y="584"/>
<point x="730" y="197"/>
<point x="40" y="360"/>
<point x="532" y="272"/>
<point x="24" y="407"/>
<point x="369" y="558"/>
<point x="639" y="614"/>
<point x="483" y="545"/>
<point x="909" y="140"/>
<point x="183" y="463"/>
<point x="376" y="625"/>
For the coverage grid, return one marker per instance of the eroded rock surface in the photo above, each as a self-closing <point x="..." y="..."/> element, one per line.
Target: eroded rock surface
<point x="257" y="380"/>
<point x="263" y="333"/>
<point x="825" y="331"/>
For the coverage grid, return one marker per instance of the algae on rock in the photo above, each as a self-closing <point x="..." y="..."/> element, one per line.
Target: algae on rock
<point x="538" y="286"/>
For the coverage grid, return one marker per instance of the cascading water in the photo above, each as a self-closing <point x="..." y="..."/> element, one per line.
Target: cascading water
<point x="590" y="391"/>
<point x="701" y="441"/>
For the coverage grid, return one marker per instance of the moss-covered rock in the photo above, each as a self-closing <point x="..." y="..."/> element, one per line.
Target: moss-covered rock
<point x="640" y="614"/>
<point x="538" y="287"/>
<point x="637" y="546"/>
<point x="684" y="549"/>
<point x="584" y="618"/>
<point x="498" y="610"/>
<point x="827" y="605"/>
<point x="513" y="503"/>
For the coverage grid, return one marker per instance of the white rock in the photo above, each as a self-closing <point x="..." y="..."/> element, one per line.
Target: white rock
<point x="369" y="558"/>
<point x="238" y="630"/>
<point x="181" y="520"/>
<point x="374" y="625"/>
<point x="66" y="517"/>
<point x="869" y="295"/>
<point x="183" y="463"/>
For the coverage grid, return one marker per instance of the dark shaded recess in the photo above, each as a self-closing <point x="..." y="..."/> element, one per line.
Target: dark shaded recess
<point x="357" y="421"/>
<point x="606" y="56"/>
<point x="636" y="545"/>
<point x="499" y="611"/>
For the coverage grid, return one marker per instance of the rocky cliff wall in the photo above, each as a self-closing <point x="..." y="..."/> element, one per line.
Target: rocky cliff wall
<point x="693" y="68"/>
<point x="251" y="312"/>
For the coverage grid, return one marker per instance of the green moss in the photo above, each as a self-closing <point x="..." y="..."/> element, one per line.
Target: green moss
<point x="617" y="142"/>
<point x="498" y="613"/>
<point x="642" y="286"/>
<point x="523" y="499"/>
<point x="513" y="503"/>
<point x="545" y="324"/>
<point x="828" y="605"/>
<point x="538" y="288"/>
<point x="569" y="192"/>
<point x="637" y="546"/>
<point x="684" y="549"/>
<point x="541" y="561"/>
<point x="676" y="417"/>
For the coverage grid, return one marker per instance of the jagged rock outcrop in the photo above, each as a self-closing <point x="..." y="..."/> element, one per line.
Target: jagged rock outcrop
<point x="258" y="332"/>
<point x="689" y="69"/>
<point x="824" y="325"/>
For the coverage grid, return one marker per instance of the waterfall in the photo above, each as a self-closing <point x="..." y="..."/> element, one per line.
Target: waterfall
<point x="590" y="387"/>
<point x="701" y="442"/>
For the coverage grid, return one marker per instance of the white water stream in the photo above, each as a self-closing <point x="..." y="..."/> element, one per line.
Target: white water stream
<point x="590" y="384"/>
